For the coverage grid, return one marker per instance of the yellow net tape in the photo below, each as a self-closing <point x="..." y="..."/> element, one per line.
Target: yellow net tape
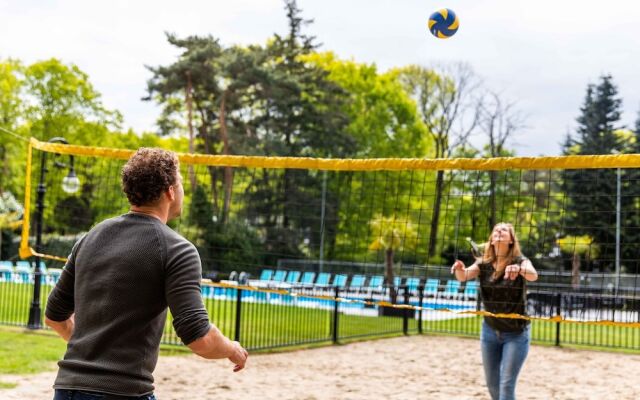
<point x="376" y="164"/>
<point x="556" y="318"/>
<point x="25" y="251"/>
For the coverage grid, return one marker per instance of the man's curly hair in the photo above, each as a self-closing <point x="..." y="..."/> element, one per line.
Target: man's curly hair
<point x="149" y="173"/>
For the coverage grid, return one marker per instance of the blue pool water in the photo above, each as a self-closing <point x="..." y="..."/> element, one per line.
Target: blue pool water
<point x="219" y="293"/>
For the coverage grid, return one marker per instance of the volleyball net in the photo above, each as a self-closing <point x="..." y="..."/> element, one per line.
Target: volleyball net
<point x="384" y="230"/>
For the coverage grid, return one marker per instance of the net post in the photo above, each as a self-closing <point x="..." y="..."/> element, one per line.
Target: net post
<point x="334" y="329"/>
<point x="238" y="313"/>
<point x="558" y="306"/>
<point x="420" y="302"/>
<point x="405" y="314"/>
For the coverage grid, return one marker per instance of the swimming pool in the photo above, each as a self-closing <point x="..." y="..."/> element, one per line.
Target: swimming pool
<point x="300" y="300"/>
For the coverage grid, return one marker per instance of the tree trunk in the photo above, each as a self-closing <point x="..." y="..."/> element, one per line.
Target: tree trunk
<point x="5" y="167"/>
<point x="188" y="90"/>
<point x="388" y="272"/>
<point x="212" y="171"/>
<point x="332" y="215"/>
<point x="228" y="171"/>
<point x="492" y="199"/>
<point x="286" y="182"/>
<point x="435" y="214"/>
<point x="575" y="271"/>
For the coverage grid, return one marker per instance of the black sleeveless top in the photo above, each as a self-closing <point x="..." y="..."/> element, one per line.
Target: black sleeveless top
<point x="504" y="297"/>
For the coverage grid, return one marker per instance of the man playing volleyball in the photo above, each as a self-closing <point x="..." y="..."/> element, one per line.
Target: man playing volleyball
<point x="111" y="301"/>
<point x="503" y="272"/>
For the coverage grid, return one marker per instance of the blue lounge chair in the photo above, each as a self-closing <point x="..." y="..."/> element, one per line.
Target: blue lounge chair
<point x="451" y="290"/>
<point x="339" y="280"/>
<point x="6" y="271"/>
<point x="23" y="272"/>
<point x="376" y="282"/>
<point x="53" y="276"/>
<point x="43" y="267"/>
<point x="293" y="277"/>
<point x="323" y="278"/>
<point x="207" y="291"/>
<point x="357" y="281"/>
<point x="266" y="275"/>
<point x="431" y="287"/>
<point x="471" y="290"/>
<point x="397" y="281"/>
<point x="412" y="284"/>
<point x="43" y="272"/>
<point x="279" y="275"/>
<point x="308" y="278"/>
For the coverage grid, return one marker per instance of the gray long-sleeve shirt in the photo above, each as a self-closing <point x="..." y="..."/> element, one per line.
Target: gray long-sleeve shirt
<point x="119" y="280"/>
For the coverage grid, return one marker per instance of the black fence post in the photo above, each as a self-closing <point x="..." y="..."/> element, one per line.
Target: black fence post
<point x="420" y="301"/>
<point x="335" y="316"/>
<point x="238" y="313"/>
<point x="558" y="307"/>
<point x="405" y="314"/>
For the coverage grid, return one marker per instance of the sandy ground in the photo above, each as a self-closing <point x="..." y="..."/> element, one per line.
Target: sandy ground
<point x="415" y="367"/>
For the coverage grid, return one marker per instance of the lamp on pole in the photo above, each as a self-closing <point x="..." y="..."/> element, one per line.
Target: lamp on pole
<point x="70" y="184"/>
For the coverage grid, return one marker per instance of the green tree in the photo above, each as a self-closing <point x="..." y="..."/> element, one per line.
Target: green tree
<point x="227" y="247"/>
<point x="383" y="120"/>
<point x="303" y="115"/>
<point x="300" y="112"/>
<point x="391" y="235"/>
<point x="499" y="121"/>
<point x="447" y="107"/>
<point x="188" y="90"/>
<point x="477" y="198"/>
<point x="578" y="247"/>
<point x="383" y="123"/>
<point x="11" y="212"/>
<point x="592" y="205"/>
<point x="61" y="98"/>
<point x="11" y="83"/>
<point x="257" y="100"/>
<point x="61" y="101"/>
<point x="631" y="213"/>
<point x="45" y="99"/>
<point x="11" y="108"/>
<point x="217" y="89"/>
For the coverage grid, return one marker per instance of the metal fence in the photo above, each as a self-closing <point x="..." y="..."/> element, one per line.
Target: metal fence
<point x="302" y="315"/>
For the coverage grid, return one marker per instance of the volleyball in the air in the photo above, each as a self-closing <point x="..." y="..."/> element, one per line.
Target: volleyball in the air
<point x="443" y="23"/>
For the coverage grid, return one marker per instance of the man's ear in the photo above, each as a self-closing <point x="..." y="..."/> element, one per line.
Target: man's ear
<point x="171" y="193"/>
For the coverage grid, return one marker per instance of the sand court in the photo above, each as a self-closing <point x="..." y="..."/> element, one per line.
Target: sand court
<point x="414" y="367"/>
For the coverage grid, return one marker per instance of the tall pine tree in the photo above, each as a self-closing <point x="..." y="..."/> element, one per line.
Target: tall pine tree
<point x="591" y="205"/>
<point x="301" y="114"/>
<point x="631" y="213"/>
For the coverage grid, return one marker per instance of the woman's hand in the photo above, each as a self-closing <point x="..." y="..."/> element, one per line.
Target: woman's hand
<point x="457" y="266"/>
<point x="511" y="272"/>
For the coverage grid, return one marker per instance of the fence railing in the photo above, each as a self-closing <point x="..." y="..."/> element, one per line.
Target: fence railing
<point x="268" y="319"/>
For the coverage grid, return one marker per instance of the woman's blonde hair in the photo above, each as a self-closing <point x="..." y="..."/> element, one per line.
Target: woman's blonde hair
<point x="489" y="255"/>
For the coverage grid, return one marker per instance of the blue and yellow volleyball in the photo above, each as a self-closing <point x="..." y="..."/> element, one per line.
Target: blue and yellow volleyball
<point x="443" y="23"/>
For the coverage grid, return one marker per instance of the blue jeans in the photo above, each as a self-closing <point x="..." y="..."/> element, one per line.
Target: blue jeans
<point x="503" y="354"/>
<point x="63" y="394"/>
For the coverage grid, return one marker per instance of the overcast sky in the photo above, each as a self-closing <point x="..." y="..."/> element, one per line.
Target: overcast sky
<point x="538" y="53"/>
